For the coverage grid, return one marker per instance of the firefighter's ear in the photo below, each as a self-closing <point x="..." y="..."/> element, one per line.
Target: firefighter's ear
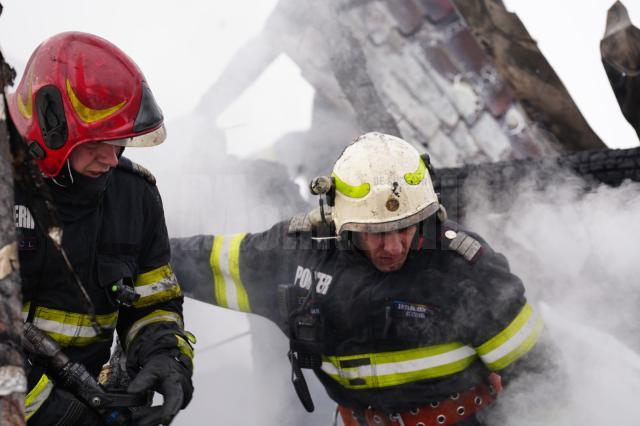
<point x="51" y="117"/>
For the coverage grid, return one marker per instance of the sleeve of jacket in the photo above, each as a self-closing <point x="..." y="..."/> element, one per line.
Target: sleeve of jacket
<point x="503" y="327"/>
<point x="240" y="271"/>
<point x="154" y="323"/>
<point x="508" y="334"/>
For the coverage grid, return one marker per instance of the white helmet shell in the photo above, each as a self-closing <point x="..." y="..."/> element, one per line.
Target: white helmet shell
<point x="382" y="184"/>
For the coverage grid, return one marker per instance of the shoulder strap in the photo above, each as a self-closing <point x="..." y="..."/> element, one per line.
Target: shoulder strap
<point x="462" y="243"/>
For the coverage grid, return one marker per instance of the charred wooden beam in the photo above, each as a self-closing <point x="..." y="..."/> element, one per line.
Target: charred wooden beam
<point x="516" y="56"/>
<point x="620" y="51"/>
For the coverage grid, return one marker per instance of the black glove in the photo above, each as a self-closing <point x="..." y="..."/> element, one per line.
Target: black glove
<point x="170" y="376"/>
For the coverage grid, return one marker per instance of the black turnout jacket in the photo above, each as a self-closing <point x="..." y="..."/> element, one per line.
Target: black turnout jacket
<point x="114" y="233"/>
<point x="441" y="324"/>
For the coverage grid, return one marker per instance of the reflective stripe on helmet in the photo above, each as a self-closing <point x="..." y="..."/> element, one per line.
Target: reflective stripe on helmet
<point x="512" y="342"/>
<point x="37" y="396"/>
<point x="71" y="328"/>
<point x="225" y="264"/>
<point x="156" y="286"/>
<point x="87" y="114"/>
<point x="377" y="370"/>
<point x="351" y="191"/>
<point x="418" y="176"/>
<point x="154" y="317"/>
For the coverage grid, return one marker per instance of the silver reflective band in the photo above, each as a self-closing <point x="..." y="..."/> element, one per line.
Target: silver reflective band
<point x="224" y="260"/>
<point x="37" y="396"/>
<point x="71" y="328"/>
<point x="401" y="366"/>
<point x="514" y="342"/>
<point x="155" y="286"/>
<point x="152" y="318"/>
<point x="378" y="370"/>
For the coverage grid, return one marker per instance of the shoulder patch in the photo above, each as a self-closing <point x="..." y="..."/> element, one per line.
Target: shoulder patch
<point x="300" y="223"/>
<point x="464" y="244"/>
<point x="135" y="168"/>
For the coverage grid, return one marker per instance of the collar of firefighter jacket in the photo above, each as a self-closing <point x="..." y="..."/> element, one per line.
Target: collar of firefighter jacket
<point x="83" y="193"/>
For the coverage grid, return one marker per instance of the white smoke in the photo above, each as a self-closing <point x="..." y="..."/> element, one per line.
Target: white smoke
<point x="577" y="254"/>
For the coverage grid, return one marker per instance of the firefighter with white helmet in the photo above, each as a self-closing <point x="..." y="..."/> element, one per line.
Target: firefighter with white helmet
<point x="405" y="317"/>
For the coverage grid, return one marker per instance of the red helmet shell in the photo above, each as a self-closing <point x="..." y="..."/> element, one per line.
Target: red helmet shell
<point x="79" y="88"/>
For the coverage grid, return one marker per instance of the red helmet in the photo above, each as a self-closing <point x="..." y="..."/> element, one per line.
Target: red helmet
<point x="79" y="88"/>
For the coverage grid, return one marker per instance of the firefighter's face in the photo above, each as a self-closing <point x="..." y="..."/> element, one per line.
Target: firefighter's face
<point x="387" y="250"/>
<point x="94" y="158"/>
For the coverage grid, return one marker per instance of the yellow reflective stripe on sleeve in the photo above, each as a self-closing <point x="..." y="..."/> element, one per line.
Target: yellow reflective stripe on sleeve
<point x="377" y="370"/>
<point x="218" y="278"/>
<point x="154" y="317"/>
<point x="37" y="396"/>
<point x="225" y="264"/>
<point x="156" y="286"/>
<point x="185" y="347"/>
<point x="512" y="342"/>
<point x="71" y="328"/>
<point x="25" y="310"/>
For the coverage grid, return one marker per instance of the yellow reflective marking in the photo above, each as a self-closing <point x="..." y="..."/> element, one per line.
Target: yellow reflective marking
<point x="408" y="377"/>
<point x="158" y="315"/>
<point x="351" y="191"/>
<point x="73" y="318"/>
<point x="87" y="114"/>
<point x="154" y="275"/>
<point x="522" y="349"/>
<point x="25" y="110"/>
<point x="506" y="334"/>
<point x="185" y="347"/>
<point x="218" y="277"/>
<point x="377" y="360"/>
<point x="78" y="341"/>
<point x="163" y="286"/>
<point x="234" y="269"/>
<point x="34" y="399"/>
<point x="416" y="177"/>
<point x="71" y="328"/>
<point x="399" y="356"/>
<point x="161" y="296"/>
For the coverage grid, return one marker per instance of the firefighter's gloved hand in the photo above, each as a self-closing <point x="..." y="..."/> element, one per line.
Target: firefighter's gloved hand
<point x="170" y="376"/>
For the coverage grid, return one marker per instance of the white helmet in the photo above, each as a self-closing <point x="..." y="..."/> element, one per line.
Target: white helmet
<point x="382" y="184"/>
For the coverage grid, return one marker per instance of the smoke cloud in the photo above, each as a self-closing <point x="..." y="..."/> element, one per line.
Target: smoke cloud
<point x="576" y="252"/>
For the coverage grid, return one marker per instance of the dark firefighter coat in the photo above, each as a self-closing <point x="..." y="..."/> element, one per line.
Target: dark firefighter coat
<point x="393" y="341"/>
<point x="114" y="230"/>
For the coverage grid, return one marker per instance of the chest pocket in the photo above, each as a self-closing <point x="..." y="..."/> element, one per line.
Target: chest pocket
<point x="413" y="322"/>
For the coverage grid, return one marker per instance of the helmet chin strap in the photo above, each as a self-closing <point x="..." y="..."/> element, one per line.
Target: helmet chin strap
<point x="65" y="174"/>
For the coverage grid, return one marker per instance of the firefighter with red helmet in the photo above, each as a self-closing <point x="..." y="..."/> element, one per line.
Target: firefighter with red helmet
<point x="81" y="100"/>
<point x="405" y="317"/>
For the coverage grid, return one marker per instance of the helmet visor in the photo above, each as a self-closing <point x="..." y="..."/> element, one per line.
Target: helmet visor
<point x="153" y="138"/>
